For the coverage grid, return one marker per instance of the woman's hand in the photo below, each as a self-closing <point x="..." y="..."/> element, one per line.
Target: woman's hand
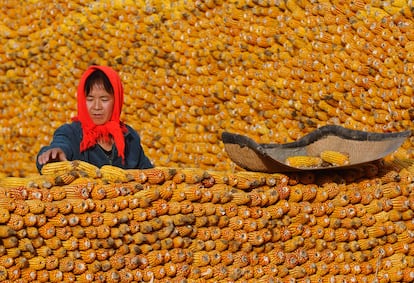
<point x="53" y="154"/>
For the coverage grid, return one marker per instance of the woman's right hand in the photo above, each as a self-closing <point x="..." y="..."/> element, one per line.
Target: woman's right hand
<point x="53" y="154"/>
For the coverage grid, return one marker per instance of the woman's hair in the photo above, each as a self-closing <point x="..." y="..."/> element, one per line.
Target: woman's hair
<point x="98" y="78"/>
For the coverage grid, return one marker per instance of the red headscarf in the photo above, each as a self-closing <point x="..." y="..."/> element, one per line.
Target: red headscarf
<point x="113" y="128"/>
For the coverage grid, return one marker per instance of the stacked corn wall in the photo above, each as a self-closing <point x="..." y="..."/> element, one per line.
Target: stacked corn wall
<point x="194" y="225"/>
<point x="272" y="70"/>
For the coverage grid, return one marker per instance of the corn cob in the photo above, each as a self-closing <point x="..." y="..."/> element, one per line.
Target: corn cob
<point x="178" y="178"/>
<point x="3" y="273"/>
<point x="35" y="206"/>
<point x="16" y="223"/>
<point x="335" y="158"/>
<point x="155" y="175"/>
<point x="37" y="263"/>
<point x="45" y="181"/>
<point x="65" y="178"/>
<point x="4" y="215"/>
<point x="193" y="175"/>
<point x="13" y="182"/>
<point x="138" y="175"/>
<point x="113" y="174"/>
<point x="86" y="169"/>
<point x="169" y="172"/>
<point x="74" y="191"/>
<point x="304" y="161"/>
<point x="57" y="168"/>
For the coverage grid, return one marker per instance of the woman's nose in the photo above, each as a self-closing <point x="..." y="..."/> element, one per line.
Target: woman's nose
<point x="97" y="104"/>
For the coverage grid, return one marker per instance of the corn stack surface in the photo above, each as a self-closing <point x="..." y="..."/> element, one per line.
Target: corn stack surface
<point x="192" y="225"/>
<point x="272" y="70"/>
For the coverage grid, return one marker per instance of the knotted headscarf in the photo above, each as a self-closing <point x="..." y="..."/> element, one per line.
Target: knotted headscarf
<point x="114" y="127"/>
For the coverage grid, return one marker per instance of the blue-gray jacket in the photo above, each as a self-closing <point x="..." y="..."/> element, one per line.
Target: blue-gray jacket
<point x="68" y="137"/>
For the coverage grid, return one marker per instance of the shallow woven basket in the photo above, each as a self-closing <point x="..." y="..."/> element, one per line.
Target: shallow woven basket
<point x="362" y="147"/>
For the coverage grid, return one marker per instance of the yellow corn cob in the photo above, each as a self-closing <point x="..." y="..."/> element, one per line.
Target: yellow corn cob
<point x="87" y="169"/>
<point x="85" y="180"/>
<point x="334" y="157"/>
<point x="248" y="180"/>
<point x="169" y="172"/>
<point x="77" y="191"/>
<point x="58" y="193"/>
<point x="303" y="161"/>
<point x="13" y="252"/>
<point x="3" y="273"/>
<point x="36" y="206"/>
<point x="13" y="182"/>
<point x="193" y="175"/>
<point x="43" y="181"/>
<point x="219" y="177"/>
<point x="44" y="251"/>
<point x="392" y="9"/>
<point x="57" y="168"/>
<point x="65" y="178"/>
<point x="138" y="175"/>
<point x="240" y="197"/>
<point x="37" y="263"/>
<point x="113" y="174"/>
<point x="201" y="258"/>
<point x="4" y="215"/>
<point x="30" y="219"/>
<point x="276" y="179"/>
<point x="154" y="175"/>
<point x="6" y="231"/>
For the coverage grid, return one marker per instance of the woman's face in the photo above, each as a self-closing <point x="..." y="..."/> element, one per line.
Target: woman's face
<point x="100" y="104"/>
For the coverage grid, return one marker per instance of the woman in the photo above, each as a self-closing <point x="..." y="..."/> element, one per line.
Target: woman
<point x="97" y="135"/>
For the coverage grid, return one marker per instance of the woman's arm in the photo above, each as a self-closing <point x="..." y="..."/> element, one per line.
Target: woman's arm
<point x="64" y="144"/>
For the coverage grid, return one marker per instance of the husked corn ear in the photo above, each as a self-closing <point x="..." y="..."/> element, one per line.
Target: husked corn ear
<point x="36" y="206"/>
<point x="6" y="231"/>
<point x="37" y="263"/>
<point x="87" y="168"/>
<point x="13" y="182"/>
<point x="65" y="178"/>
<point x="44" y="181"/>
<point x="115" y="174"/>
<point x="169" y="173"/>
<point x="193" y="175"/>
<point x="57" y="168"/>
<point x="155" y="175"/>
<point x="4" y="215"/>
<point x="3" y="273"/>
<point x="247" y="180"/>
<point x="303" y="161"/>
<point x="334" y="157"/>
